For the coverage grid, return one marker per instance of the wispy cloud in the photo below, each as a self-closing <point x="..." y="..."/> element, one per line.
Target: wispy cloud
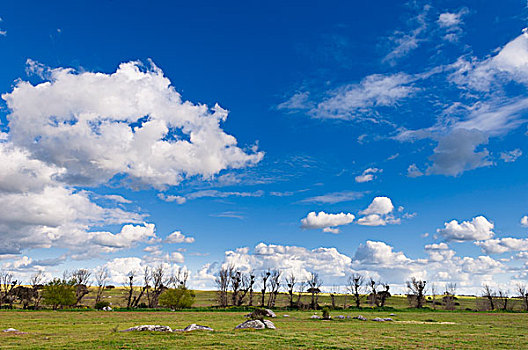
<point x="334" y="197"/>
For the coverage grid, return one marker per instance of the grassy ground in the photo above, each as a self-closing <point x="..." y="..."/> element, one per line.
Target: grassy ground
<point x="411" y="330"/>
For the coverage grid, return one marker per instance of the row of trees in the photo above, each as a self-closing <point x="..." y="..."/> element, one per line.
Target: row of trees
<point x="158" y="288"/>
<point x="236" y="288"/>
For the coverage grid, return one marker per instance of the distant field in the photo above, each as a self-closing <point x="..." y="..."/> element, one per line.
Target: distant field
<point x="117" y="297"/>
<point x="411" y="330"/>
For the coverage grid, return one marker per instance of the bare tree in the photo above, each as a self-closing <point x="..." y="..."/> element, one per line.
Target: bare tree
<point x="449" y="298"/>
<point x="373" y="298"/>
<point x="265" y="276"/>
<point x="236" y="282"/>
<point x="290" y="282"/>
<point x="489" y="294"/>
<point x="159" y="282"/>
<point x="274" y="287"/>
<point x="101" y="278"/>
<point x="81" y="279"/>
<point x="222" y="283"/>
<point x="246" y="285"/>
<point x="130" y="285"/>
<point x="251" y="285"/>
<point x="7" y="284"/>
<point x="355" y="286"/>
<point x="523" y="294"/>
<point x="433" y="294"/>
<point x="416" y="292"/>
<point x="503" y="298"/>
<point x="36" y="281"/>
<point x="300" y="291"/>
<point x="384" y="294"/>
<point x="179" y="278"/>
<point x="314" y="282"/>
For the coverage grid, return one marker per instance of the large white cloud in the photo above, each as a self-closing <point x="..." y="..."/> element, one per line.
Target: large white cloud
<point x="479" y="228"/>
<point x="130" y="122"/>
<point x="378" y="213"/>
<point x="290" y="259"/>
<point x="328" y="222"/>
<point x="503" y="245"/>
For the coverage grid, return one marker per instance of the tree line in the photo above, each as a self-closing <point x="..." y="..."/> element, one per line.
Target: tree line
<point x="236" y="288"/>
<point x="155" y="287"/>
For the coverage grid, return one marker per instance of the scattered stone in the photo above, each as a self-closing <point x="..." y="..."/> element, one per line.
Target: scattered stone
<point x="258" y="314"/>
<point x="340" y="317"/>
<point x="149" y="328"/>
<point x="256" y="324"/>
<point x="316" y="317"/>
<point x="361" y="318"/>
<point x="107" y="308"/>
<point x="388" y="319"/>
<point x="379" y="319"/>
<point x="194" y="327"/>
<point x="392" y="315"/>
<point x="13" y="331"/>
<point x="285" y="315"/>
<point x="10" y="330"/>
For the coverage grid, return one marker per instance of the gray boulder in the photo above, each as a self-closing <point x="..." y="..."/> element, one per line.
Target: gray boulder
<point x="361" y="318"/>
<point x="286" y="316"/>
<point x="316" y="317"/>
<point x="256" y="324"/>
<point x="194" y="327"/>
<point x="258" y="314"/>
<point x="378" y="319"/>
<point x="10" y="330"/>
<point x="340" y="317"/>
<point x="148" y="328"/>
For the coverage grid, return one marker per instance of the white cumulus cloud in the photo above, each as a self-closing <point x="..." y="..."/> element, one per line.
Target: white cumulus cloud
<point x="479" y="228"/>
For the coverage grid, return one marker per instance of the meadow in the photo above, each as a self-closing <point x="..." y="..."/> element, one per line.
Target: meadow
<point x="411" y="328"/>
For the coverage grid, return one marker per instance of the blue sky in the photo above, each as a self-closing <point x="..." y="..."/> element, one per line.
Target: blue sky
<point x="348" y="136"/>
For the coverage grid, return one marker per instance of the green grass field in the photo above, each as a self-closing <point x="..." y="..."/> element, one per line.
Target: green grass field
<point x="411" y="330"/>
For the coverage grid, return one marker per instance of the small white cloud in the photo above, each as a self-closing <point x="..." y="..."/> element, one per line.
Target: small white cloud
<point x="171" y="198"/>
<point x="503" y="245"/>
<point x="178" y="237"/>
<point x="323" y="220"/>
<point x="413" y="171"/>
<point x="379" y="205"/>
<point x="524" y="221"/>
<point x="511" y="156"/>
<point x="479" y="228"/>
<point x="367" y="175"/>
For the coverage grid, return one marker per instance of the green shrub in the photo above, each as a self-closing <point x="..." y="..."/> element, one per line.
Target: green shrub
<point x="326" y="313"/>
<point x="59" y="293"/>
<point x="101" y="305"/>
<point x="177" y="298"/>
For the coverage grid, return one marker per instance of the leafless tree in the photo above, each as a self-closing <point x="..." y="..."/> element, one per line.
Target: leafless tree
<point x="314" y="282"/>
<point x="503" y="298"/>
<point x="300" y="291"/>
<point x="449" y="298"/>
<point x="130" y="285"/>
<point x="7" y="284"/>
<point x="523" y="294"/>
<point x="101" y="278"/>
<point x="251" y="285"/>
<point x="36" y="281"/>
<point x="290" y="282"/>
<point x="373" y="298"/>
<point x="81" y="279"/>
<point x="384" y="294"/>
<point x="222" y="283"/>
<point x="236" y="281"/>
<point x="159" y="282"/>
<point x="179" y="278"/>
<point x="355" y="287"/>
<point x="489" y="294"/>
<point x="265" y="276"/>
<point x="274" y="287"/>
<point x="416" y="292"/>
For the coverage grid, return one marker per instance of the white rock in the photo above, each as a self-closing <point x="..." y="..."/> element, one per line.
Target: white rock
<point x="148" y="327"/>
<point x="10" y="330"/>
<point x="256" y="324"/>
